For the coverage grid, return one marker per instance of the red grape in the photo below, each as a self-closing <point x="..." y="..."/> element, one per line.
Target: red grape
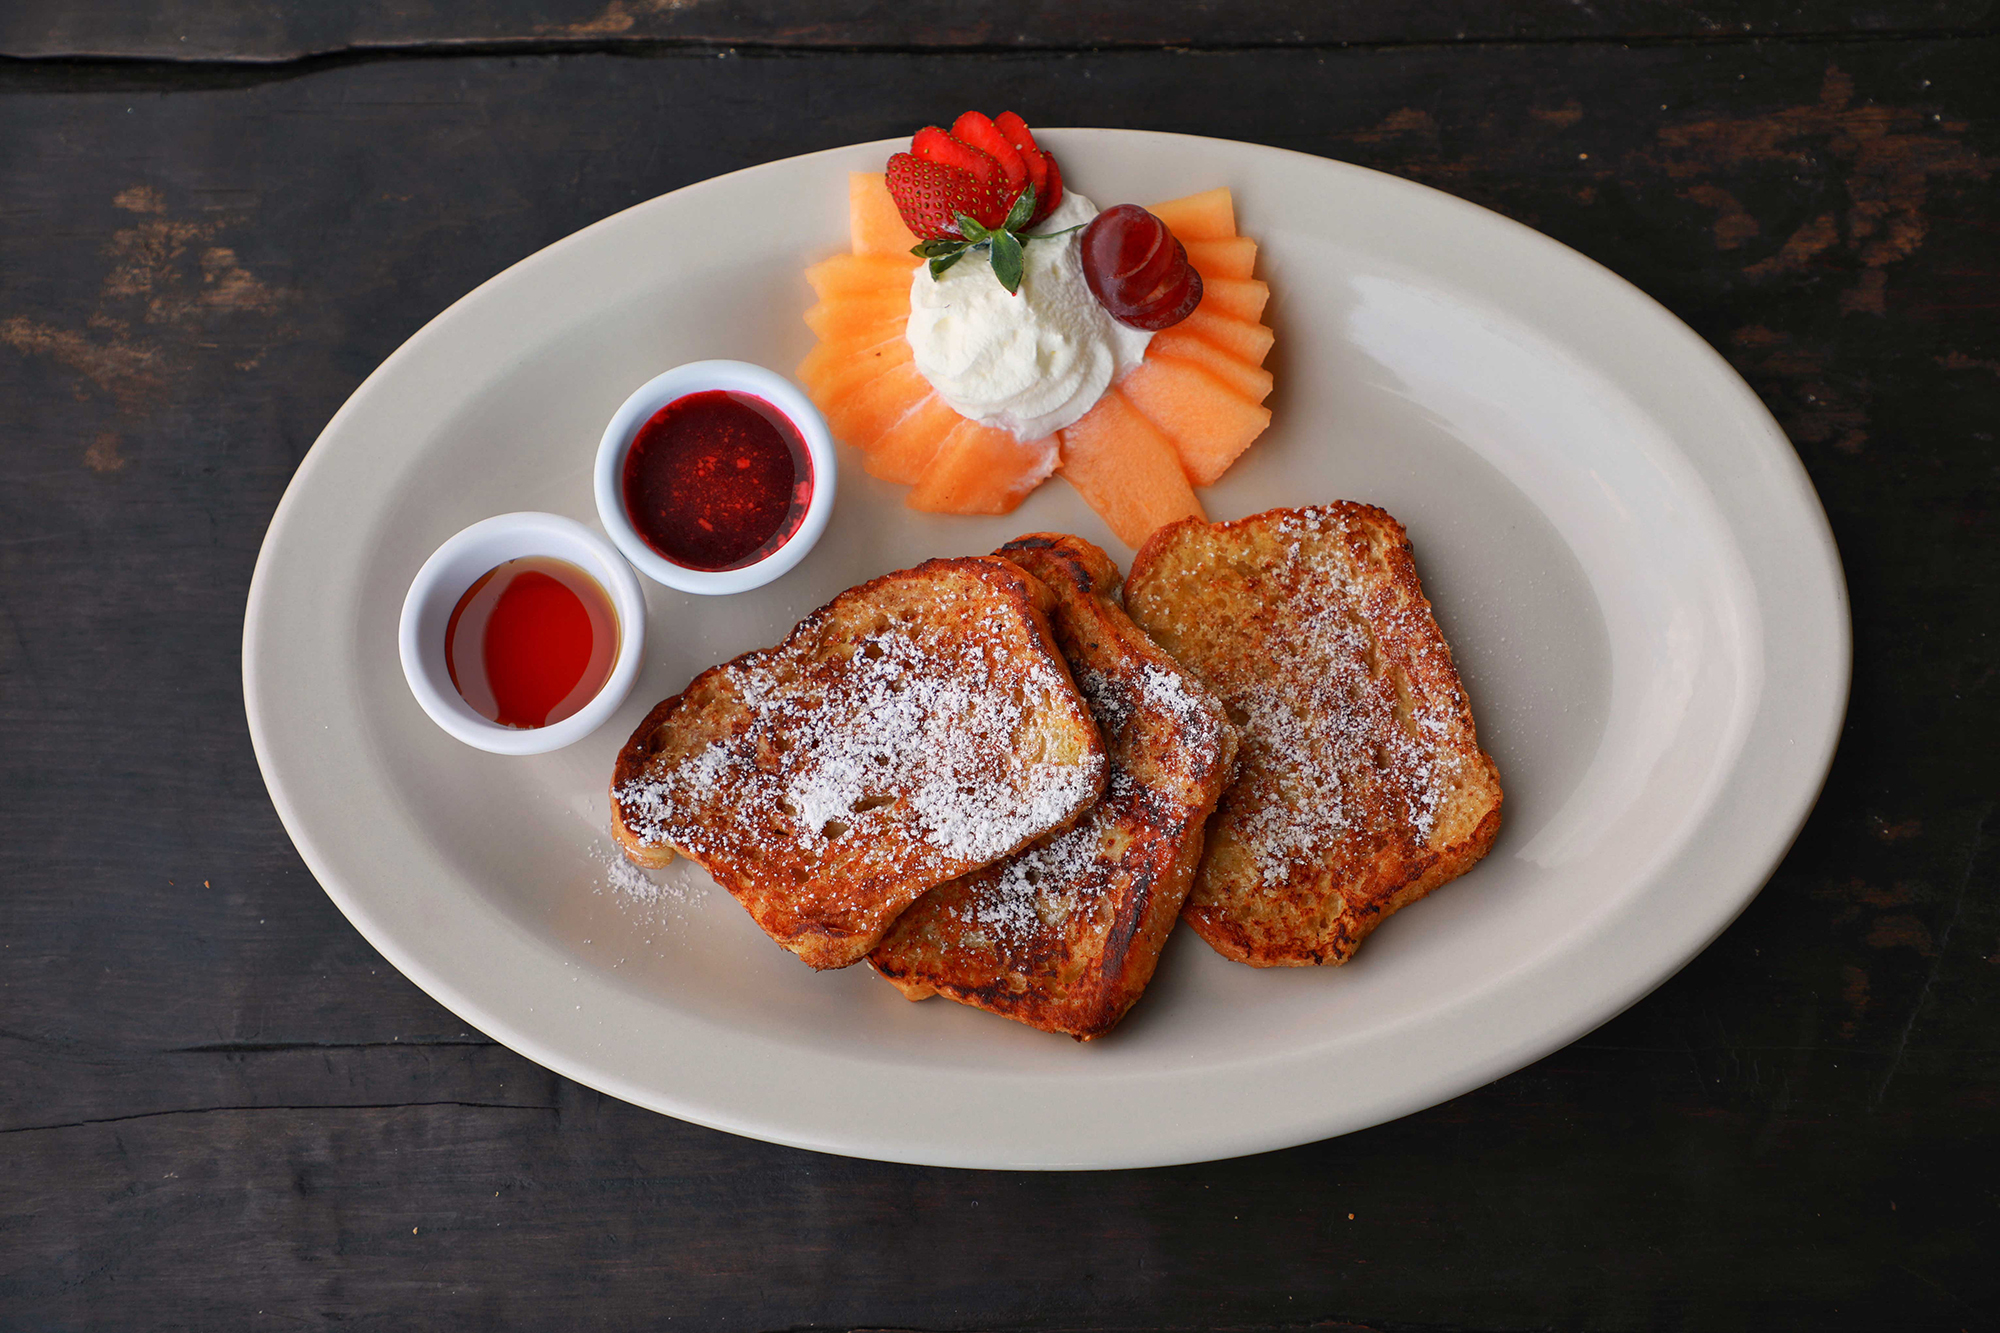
<point x="1173" y="303"/>
<point x="1137" y="270"/>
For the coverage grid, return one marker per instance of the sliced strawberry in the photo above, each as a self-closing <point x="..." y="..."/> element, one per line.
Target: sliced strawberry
<point x="930" y="196"/>
<point x="1045" y="202"/>
<point x="974" y="129"/>
<point x="934" y="145"/>
<point x="1017" y="133"/>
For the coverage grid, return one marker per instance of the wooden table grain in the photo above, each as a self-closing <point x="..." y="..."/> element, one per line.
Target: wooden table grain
<point x="219" y="1108"/>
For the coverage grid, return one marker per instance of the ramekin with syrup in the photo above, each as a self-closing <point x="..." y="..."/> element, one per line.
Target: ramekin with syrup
<point x="523" y="633"/>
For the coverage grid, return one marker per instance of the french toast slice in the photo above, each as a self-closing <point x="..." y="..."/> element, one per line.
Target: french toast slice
<point x="1361" y="784"/>
<point x="912" y="730"/>
<point x="1065" y="935"/>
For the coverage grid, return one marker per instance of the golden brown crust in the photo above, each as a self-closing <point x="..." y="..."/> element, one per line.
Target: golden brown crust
<point x="1362" y="783"/>
<point x="1065" y="935"/>
<point x="915" y="728"/>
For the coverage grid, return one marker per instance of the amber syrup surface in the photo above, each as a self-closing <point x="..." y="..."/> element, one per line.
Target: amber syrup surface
<point x="531" y="642"/>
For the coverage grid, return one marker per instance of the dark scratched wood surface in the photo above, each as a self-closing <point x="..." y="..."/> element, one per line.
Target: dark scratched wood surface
<point x="219" y="1108"/>
<point x="260" y="30"/>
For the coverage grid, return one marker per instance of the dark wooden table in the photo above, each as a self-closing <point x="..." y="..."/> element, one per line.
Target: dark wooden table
<point x="220" y="1109"/>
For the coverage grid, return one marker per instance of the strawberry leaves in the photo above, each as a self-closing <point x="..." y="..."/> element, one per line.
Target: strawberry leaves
<point x="1023" y="210"/>
<point x="1008" y="261"/>
<point x="942" y="254"/>
<point x="1006" y="243"/>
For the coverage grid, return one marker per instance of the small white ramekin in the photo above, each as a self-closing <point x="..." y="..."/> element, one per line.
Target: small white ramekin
<point x="452" y="569"/>
<point x="701" y="377"/>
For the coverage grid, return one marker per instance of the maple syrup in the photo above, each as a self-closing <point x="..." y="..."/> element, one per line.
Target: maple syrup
<point x="532" y="641"/>
<point x="717" y="480"/>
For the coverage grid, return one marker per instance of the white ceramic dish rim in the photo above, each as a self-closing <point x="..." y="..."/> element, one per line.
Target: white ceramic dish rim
<point x="700" y="377"/>
<point x="1748" y="823"/>
<point x="451" y="569"/>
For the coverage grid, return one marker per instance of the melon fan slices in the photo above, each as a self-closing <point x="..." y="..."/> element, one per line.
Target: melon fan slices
<point x="1176" y="422"/>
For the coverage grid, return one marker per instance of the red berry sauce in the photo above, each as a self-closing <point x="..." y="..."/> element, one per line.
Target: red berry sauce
<point x="717" y="480"/>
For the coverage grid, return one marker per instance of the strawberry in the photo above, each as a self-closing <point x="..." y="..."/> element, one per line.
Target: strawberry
<point x="1018" y="134"/>
<point x="1047" y="199"/>
<point x="934" y="145"/>
<point x="930" y="196"/>
<point x="975" y="129"/>
<point x="991" y="174"/>
<point x="1041" y="164"/>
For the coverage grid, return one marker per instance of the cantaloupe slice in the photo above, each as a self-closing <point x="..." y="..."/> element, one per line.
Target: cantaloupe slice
<point x="1232" y="258"/>
<point x="873" y="224"/>
<point x="858" y="275"/>
<point x="1243" y="340"/>
<point x="861" y="416"/>
<point x="982" y="470"/>
<point x="1126" y="470"/>
<point x="1207" y="423"/>
<point x="1208" y="216"/>
<point x="837" y="321"/>
<point x="1237" y="298"/>
<point x="831" y="382"/>
<point x="1202" y="383"/>
<point x="1253" y="382"/>
<point x="904" y="450"/>
<point x="827" y="356"/>
<point x="825" y="375"/>
<point x="845" y="316"/>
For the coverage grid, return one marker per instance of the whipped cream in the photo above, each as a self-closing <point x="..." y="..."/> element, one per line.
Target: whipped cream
<point x="1030" y="363"/>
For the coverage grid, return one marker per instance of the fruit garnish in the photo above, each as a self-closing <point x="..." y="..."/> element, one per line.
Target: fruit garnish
<point x="1002" y="159"/>
<point x="934" y="145"/>
<point x="1054" y="190"/>
<point x="974" y="128"/>
<point x="1005" y="242"/>
<point x="978" y="187"/>
<point x="1175" y="422"/>
<point x="1137" y="270"/>
<point x="1015" y="131"/>
<point x="932" y="197"/>
<point x="1042" y="173"/>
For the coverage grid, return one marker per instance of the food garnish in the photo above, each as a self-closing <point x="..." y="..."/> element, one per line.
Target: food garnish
<point x="1138" y="270"/>
<point x="979" y="187"/>
<point x="1005" y="242"/>
<point x="973" y="392"/>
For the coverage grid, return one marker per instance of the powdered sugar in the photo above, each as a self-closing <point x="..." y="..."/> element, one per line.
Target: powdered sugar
<point x="1111" y="700"/>
<point x="1115" y="699"/>
<point x="1168" y="692"/>
<point x="1041" y="888"/>
<point x="1331" y="725"/>
<point x="924" y="733"/>
<point x="1035" y="894"/>
<point x="639" y="886"/>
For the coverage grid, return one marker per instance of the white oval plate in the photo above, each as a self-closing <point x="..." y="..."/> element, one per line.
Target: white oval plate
<point x="1624" y="552"/>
